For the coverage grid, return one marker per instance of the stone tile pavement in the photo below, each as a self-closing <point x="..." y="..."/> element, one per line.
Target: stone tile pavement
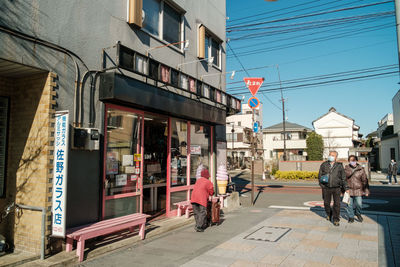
<point x="310" y="241"/>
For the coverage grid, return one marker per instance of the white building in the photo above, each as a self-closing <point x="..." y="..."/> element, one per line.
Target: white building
<point x="338" y="131"/>
<point x="238" y="133"/>
<point x="273" y="141"/>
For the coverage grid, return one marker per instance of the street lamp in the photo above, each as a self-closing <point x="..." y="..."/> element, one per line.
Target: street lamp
<point x="212" y="74"/>
<point x="233" y="134"/>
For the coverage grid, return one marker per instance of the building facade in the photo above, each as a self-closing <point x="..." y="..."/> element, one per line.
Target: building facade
<point x="239" y="128"/>
<point x="273" y="141"/>
<point x="143" y="84"/>
<point x="339" y="133"/>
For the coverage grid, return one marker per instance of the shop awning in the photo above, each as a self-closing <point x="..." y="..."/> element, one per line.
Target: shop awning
<point x="121" y="89"/>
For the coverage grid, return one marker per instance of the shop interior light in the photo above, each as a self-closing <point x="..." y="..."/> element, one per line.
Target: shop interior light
<point x="210" y="60"/>
<point x="185" y="47"/>
<point x="233" y="73"/>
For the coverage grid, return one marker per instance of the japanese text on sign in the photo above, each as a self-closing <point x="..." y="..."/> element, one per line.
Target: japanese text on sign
<point x="60" y="173"/>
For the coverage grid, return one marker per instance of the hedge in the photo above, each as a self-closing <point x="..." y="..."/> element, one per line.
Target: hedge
<point x="296" y="175"/>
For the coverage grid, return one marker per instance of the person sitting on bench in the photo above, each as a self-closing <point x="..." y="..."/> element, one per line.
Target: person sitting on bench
<point x="201" y="191"/>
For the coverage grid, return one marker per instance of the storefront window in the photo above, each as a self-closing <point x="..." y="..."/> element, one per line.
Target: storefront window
<point x="178" y="152"/>
<point x="123" y="141"/>
<point x="155" y="164"/>
<point x="200" y="148"/>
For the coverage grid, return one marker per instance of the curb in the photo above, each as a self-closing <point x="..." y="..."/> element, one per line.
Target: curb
<point x="384" y="213"/>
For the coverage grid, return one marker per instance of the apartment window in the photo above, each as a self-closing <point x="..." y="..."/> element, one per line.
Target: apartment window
<point x="163" y="21"/>
<point x="213" y="49"/>
<point x="152" y="10"/>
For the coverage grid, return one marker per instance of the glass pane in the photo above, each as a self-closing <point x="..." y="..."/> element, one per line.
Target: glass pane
<point x="178" y="152"/>
<point x="200" y="147"/>
<point x="206" y="46"/>
<point x="151" y="10"/>
<point x="177" y="197"/>
<point x="155" y="164"/>
<point x="206" y="91"/>
<point x="215" y="52"/>
<point x="172" y="25"/>
<point x="184" y="81"/>
<point x="141" y="64"/>
<point x="121" y="207"/>
<point x="123" y="141"/>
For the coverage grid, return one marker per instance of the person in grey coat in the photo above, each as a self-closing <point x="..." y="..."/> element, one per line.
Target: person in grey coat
<point x="336" y="185"/>
<point x="392" y="171"/>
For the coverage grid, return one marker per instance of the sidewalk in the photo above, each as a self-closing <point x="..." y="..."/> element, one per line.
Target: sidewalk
<point x="305" y="238"/>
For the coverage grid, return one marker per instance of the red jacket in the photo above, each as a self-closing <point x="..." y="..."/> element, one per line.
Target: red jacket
<point x="202" y="189"/>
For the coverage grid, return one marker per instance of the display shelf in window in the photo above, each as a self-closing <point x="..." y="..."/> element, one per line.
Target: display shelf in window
<point x="192" y="85"/>
<point x="165" y="74"/>
<point x="206" y="91"/>
<point x="223" y="98"/>
<point x="184" y="82"/>
<point x="175" y="78"/>
<point x="126" y="57"/>
<point x="141" y="64"/>
<point x="154" y="69"/>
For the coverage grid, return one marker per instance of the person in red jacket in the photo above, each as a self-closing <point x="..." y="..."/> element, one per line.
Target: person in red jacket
<point x="201" y="191"/>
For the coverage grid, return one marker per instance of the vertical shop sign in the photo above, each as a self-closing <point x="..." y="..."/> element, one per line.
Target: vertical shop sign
<point x="61" y="140"/>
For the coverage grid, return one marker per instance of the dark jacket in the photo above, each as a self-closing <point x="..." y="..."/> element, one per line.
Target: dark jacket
<point x="357" y="180"/>
<point x="392" y="169"/>
<point x="337" y="177"/>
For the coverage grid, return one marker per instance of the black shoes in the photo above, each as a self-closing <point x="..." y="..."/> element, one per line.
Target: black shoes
<point x="359" y="217"/>
<point x="336" y="223"/>
<point x="351" y="220"/>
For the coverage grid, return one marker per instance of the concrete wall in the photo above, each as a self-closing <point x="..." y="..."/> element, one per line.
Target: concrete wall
<point x="308" y="165"/>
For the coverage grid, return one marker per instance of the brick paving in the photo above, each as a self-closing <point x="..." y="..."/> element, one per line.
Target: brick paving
<point x="311" y="241"/>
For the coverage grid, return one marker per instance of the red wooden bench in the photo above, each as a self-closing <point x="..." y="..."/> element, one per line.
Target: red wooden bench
<point x="184" y="205"/>
<point x="85" y="232"/>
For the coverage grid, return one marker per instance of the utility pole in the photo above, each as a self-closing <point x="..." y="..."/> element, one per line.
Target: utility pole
<point x="252" y="158"/>
<point x="233" y="134"/>
<point x="283" y="115"/>
<point x="397" y="9"/>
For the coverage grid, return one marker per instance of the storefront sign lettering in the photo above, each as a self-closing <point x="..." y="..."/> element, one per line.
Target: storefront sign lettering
<point x="60" y="173"/>
<point x="195" y="150"/>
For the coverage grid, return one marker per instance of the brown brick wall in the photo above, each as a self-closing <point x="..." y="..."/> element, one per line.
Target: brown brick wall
<point x="31" y="128"/>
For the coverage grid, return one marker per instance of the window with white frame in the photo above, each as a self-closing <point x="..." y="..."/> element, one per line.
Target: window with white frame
<point x="213" y="49"/>
<point x="163" y="21"/>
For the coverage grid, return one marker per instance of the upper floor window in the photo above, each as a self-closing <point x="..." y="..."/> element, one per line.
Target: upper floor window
<point x="163" y="21"/>
<point x="209" y="46"/>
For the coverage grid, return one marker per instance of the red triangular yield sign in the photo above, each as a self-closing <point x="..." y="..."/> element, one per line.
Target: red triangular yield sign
<point x="253" y="84"/>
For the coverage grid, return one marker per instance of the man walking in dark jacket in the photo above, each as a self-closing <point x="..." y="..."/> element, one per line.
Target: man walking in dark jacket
<point x="333" y="187"/>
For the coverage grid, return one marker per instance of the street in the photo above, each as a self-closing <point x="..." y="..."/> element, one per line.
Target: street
<point x="310" y="240"/>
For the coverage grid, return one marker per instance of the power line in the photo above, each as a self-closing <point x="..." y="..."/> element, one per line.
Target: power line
<point x="287" y="88"/>
<point x="248" y="74"/>
<point x="316" y="40"/>
<point x="309" y="15"/>
<point x="325" y="76"/>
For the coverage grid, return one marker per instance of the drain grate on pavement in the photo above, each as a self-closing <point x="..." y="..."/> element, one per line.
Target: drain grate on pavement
<point x="268" y="234"/>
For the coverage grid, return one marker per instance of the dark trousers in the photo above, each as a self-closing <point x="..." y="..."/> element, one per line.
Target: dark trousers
<point x="200" y="215"/>
<point x="328" y="194"/>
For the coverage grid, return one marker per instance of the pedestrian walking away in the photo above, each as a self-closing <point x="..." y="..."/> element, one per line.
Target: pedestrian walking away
<point x="332" y="180"/>
<point x="201" y="191"/>
<point x="357" y="183"/>
<point x="392" y="171"/>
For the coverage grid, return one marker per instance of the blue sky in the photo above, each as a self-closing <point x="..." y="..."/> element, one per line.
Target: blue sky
<point x="366" y="101"/>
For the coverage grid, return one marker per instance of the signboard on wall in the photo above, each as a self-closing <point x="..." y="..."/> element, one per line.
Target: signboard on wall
<point x="195" y="150"/>
<point x="61" y="140"/>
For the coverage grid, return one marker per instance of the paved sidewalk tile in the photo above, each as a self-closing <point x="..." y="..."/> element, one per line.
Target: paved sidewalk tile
<point x="311" y="241"/>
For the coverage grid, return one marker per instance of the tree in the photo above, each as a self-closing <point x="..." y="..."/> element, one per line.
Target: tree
<point x="315" y="146"/>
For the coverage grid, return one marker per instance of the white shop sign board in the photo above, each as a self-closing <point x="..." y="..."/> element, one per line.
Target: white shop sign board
<point x="61" y="140"/>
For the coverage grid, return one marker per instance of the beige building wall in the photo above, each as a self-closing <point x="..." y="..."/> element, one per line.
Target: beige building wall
<point x="30" y="155"/>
